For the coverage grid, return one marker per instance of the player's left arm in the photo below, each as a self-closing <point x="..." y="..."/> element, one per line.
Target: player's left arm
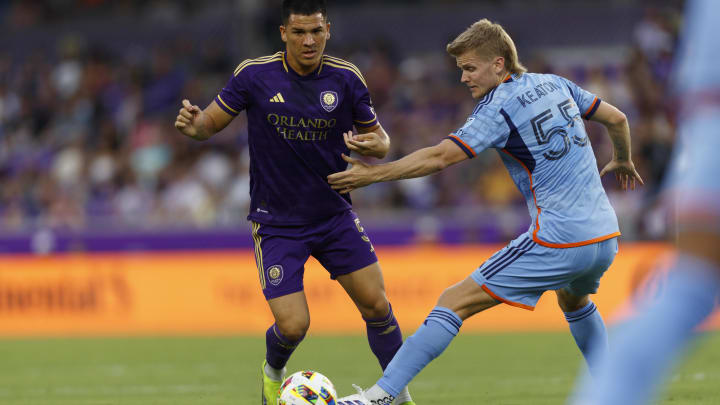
<point x="373" y="141"/>
<point x="619" y="132"/>
<point x="420" y="163"/>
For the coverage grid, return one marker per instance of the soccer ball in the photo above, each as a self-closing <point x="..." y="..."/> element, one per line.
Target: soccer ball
<point x="307" y="388"/>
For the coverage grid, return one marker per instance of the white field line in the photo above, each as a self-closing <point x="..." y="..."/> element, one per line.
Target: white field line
<point x="128" y="390"/>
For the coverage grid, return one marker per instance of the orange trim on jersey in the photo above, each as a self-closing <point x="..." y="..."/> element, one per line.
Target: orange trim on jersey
<point x="536" y="239"/>
<point x="515" y="304"/>
<point x="455" y="137"/>
<point x="532" y="189"/>
<point x="509" y="76"/>
<point x="591" y="107"/>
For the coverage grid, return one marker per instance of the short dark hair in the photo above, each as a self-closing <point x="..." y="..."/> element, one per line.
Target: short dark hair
<point x="302" y="7"/>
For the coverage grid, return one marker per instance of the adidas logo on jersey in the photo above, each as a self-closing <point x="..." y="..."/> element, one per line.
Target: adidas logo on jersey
<point x="277" y="99"/>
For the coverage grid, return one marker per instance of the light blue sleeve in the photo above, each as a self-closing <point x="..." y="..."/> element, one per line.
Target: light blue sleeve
<point x="481" y="131"/>
<point x="587" y="102"/>
<point x="698" y="57"/>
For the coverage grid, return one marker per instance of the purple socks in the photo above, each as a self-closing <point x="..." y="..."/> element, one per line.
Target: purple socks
<point x="279" y="348"/>
<point x="384" y="337"/>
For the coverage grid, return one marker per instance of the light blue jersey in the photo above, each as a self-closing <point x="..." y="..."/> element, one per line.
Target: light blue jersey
<point x="534" y="121"/>
<point x="694" y="180"/>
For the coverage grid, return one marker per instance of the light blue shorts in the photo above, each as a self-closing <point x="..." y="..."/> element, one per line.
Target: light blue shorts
<point x="522" y="271"/>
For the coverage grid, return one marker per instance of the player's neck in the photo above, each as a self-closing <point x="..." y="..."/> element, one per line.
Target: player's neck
<point x="502" y="76"/>
<point x="300" y="69"/>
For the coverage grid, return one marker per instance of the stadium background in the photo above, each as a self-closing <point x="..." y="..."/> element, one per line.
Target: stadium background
<point x="114" y="224"/>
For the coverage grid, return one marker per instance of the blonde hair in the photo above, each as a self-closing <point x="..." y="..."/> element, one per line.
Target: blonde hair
<point x="488" y="40"/>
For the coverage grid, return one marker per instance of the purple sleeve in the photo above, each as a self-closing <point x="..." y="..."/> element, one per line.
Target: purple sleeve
<point x="363" y="112"/>
<point x="233" y="98"/>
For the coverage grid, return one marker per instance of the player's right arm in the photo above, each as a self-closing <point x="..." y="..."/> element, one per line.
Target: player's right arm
<point x="201" y="124"/>
<point x="619" y="132"/>
<point x="420" y="163"/>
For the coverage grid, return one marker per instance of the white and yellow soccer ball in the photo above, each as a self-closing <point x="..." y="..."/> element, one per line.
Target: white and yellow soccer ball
<point x="307" y="388"/>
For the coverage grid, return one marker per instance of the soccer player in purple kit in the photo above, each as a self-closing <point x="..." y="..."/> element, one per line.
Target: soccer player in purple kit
<point x="300" y="104"/>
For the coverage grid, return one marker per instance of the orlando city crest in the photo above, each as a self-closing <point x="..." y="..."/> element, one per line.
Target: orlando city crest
<point x="328" y="100"/>
<point x="275" y="274"/>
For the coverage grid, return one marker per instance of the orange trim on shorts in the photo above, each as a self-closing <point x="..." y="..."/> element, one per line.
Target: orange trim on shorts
<point x="576" y="244"/>
<point x="515" y="304"/>
<point x="539" y="241"/>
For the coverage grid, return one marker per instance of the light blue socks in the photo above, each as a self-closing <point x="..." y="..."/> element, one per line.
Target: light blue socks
<point x="588" y="329"/>
<point x="428" y="342"/>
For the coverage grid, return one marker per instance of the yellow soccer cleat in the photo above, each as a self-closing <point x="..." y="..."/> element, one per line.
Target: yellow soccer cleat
<point x="408" y="403"/>
<point x="270" y="388"/>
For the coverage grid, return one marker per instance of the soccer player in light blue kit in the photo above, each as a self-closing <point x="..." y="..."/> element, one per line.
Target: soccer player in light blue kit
<point x="644" y="348"/>
<point x="535" y="122"/>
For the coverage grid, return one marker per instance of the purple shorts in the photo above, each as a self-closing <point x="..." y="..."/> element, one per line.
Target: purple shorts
<point x="339" y="243"/>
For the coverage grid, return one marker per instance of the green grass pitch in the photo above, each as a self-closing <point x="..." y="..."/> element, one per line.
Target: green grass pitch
<point x="528" y="368"/>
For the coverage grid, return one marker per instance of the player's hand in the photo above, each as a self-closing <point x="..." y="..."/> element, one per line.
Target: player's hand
<point x="359" y="175"/>
<point x="367" y="144"/>
<point x="625" y="173"/>
<point x="186" y="119"/>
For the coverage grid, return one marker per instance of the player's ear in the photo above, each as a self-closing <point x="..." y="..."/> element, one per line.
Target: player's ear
<point x="499" y="64"/>
<point x="327" y="31"/>
<point x="283" y="33"/>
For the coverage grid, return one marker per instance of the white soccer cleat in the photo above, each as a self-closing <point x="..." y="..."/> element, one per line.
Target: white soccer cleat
<point x="354" y="399"/>
<point x="361" y="399"/>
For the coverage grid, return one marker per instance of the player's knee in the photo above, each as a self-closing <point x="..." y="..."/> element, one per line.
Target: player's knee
<point x="374" y="309"/>
<point x="451" y="298"/>
<point x="445" y="298"/>
<point x="466" y="298"/>
<point x="569" y="302"/>
<point x="293" y="329"/>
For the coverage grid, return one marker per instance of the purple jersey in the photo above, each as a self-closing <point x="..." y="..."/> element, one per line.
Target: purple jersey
<point x="295" y="127"/>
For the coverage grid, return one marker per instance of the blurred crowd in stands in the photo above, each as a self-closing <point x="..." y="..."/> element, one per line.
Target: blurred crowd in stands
<point x="87" y="137"/>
